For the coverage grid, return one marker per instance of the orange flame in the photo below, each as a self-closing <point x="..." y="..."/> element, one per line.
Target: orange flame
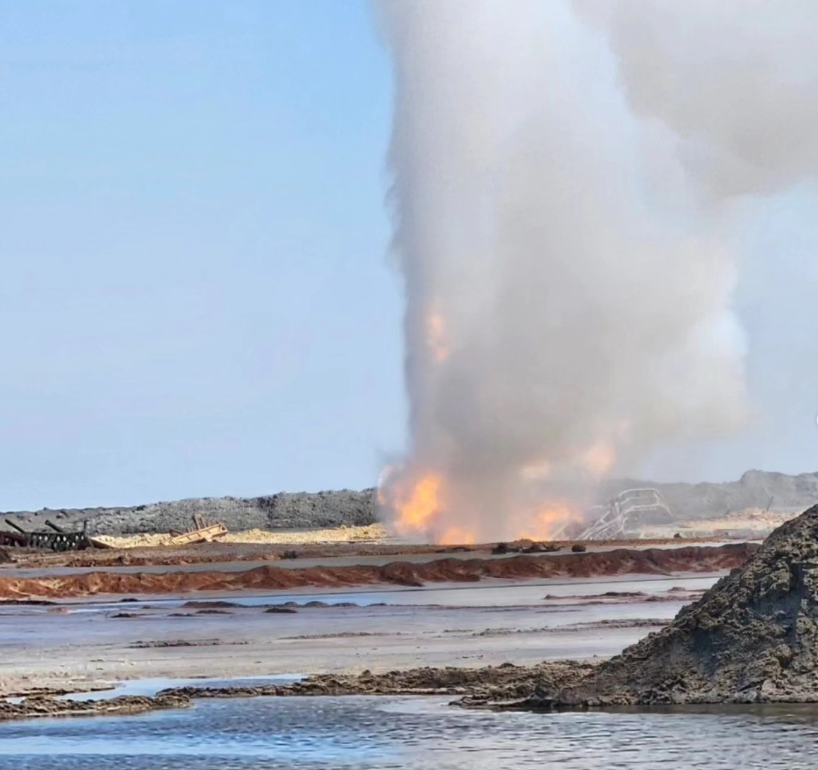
<point x="436" y="337"/>
<point x="600" y="458"/>
<point x="457" y="536"/>
<point x="419" y="501"/>
<point x="550" y="521"/>
<point x="417" y="506"/>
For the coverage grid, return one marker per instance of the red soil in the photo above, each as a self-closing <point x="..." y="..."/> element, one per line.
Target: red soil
<point x="623" y="561"/>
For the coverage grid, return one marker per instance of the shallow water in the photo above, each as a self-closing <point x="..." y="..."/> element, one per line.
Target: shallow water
<point x="153" y="686"/>
<point x="368" y="732"/>
<point x="486" y="593"/>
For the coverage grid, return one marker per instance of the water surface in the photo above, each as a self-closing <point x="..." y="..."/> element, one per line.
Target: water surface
<point x="414" y="733"/>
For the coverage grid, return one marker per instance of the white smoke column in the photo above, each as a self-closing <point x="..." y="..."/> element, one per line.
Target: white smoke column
<point x="736" y="81"/>
<point x="560" y="322"/>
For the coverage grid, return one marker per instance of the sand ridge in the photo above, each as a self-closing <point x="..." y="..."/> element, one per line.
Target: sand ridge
<point x="649" y="561"/>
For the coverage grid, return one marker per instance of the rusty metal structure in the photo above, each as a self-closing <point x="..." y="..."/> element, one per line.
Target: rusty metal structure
<point x="55" y="539"/>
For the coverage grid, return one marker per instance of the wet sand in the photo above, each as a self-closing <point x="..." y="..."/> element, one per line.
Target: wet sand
<point x="339" y="611"/>
<point x="81" y="644"/>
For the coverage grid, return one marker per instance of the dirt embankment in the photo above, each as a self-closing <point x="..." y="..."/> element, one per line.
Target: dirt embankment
<point x="650" y="561"/>
<point x="208" y="553"/>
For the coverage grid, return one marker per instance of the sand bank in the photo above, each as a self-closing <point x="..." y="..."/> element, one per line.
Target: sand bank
<point x="650" y="561"/>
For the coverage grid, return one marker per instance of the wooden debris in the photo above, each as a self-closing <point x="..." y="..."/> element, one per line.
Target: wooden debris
<point x="202" y="532"/>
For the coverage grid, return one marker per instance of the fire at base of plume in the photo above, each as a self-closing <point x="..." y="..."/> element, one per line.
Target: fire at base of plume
<point x="422" y="508"/>
<point x="418" y="509"/>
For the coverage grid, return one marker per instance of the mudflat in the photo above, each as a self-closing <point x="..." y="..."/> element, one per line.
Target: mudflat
<point x="343" y="616"/>
<point x="88" y="643"/>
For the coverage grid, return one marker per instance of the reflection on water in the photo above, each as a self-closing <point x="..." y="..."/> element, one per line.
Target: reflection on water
<point x="153" y="686"/>
<point x="361" y="732"/>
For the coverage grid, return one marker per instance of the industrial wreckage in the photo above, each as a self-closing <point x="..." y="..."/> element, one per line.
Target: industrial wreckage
<point x="54" y="539"/>
<point x="58" y="539"/>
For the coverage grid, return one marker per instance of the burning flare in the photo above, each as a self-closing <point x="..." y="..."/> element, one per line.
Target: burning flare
<point x="415" y="505"/>
<point x="550" y="522"/>
<point x="457" y="536"/>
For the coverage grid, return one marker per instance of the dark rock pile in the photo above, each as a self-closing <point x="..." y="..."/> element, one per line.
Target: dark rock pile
<point x="755" y="489"/>
<point x="753" y="638"/>
<point x="285" y="510"/>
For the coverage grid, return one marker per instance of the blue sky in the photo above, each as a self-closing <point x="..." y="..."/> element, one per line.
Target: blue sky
<point x="195" y="294"/>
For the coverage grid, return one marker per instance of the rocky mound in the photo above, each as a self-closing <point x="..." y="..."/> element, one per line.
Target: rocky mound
<point x="755" y="489"/>
<point x="753" y="638"/>
<point x="301" y="510"/>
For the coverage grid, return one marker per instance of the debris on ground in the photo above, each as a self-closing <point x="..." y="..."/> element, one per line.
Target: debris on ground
<point x="203" y="532"/>
<point x="342" y="534"/>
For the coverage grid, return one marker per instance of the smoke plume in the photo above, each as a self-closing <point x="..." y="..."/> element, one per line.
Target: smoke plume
<point x="735" y="82"/>
<point x="567" y="293"/>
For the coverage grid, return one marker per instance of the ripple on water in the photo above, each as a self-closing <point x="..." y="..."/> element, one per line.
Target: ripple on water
<point x="361" y="732"/>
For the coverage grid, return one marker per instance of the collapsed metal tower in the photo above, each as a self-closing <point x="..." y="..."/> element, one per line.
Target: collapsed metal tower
<point x="625" y="512"/>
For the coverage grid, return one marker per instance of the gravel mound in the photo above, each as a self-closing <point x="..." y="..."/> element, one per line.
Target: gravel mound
<point x="753" y="638"/>
<point x="272" y="512"/>
<point x="755" y="489"/>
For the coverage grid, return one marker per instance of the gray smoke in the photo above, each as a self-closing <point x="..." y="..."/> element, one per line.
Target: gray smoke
<point x="567" y="299"/>
<point x="734" y="82"/>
